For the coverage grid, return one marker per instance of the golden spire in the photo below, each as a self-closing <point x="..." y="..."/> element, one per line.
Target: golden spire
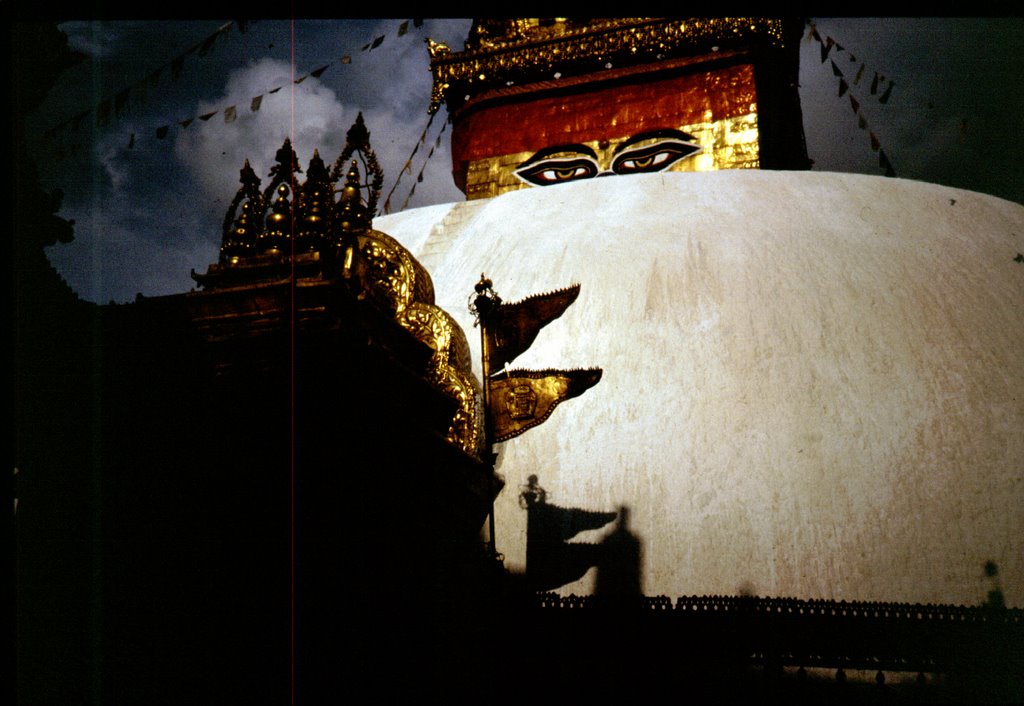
<point x="239" y="237"/>
<point x="352" y="214"/>
<point x="316" y="201"/>
<point x="357" y="140"/>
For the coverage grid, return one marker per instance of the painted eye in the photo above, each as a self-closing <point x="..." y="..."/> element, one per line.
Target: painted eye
<point x="653" y="158"/>
<point x="557" y="171"/>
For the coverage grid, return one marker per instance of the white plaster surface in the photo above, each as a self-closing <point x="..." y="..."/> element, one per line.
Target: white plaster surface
<point x="813" y="382"/>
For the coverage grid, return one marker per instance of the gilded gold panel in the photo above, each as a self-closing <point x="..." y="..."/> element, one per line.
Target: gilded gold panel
<point x="730" y="143"/>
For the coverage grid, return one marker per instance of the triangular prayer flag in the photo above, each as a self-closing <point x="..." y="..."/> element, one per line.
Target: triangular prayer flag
<point x="511" y="328"/>
<point x="861" y="121"/>
<point x="403" y="28"/>
<point x="207" y="43"/>
<point x="377" y="42"/>
<point x="161" y="132"/>
<point x="316" y="74"/>
<point x="874" y="143"/>
<point x="408" y="166"/>
<point x="522" y="399"/>
<point x="860" y="72"/>
<point x="185" y="123"/>
<point x="842" y="87"/>
<point x="121" y="102"/>
<point x="874" y="84"/>
<point x="256" y="102"/>
<point x="835" y="70"/>
<point x="276" y="89"/>
<point x="883" y="162"/>
<point x="854" y="103"/>
<point x="300" y="79"/>
<point x="365" y="47"/>
<point x="839" y="47"/>
<point x="888" y="91"/>
<point x="420" y="177"/>
<point x="346" y="59"/>
<point x="230" y="114"/>
<point x="207" y="116"/>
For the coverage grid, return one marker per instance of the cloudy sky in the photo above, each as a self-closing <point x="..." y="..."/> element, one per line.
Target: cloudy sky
<point x="148" y="209"/>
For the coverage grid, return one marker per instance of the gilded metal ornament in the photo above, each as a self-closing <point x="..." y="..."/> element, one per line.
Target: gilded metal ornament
<point x="515" y="51"/>
<point x="316" y="206"/>
<point x="247" y="292"/>
<point x="357" y="140"/>
<point x="516" y="401"/>
<point x="239" y="236"/>
<point x="523" y="399"/>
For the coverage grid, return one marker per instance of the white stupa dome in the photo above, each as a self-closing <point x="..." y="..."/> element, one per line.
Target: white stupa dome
<point x="813" y="383"/>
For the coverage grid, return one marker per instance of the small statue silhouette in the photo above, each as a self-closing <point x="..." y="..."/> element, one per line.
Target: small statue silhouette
<point x="532" y="494"/>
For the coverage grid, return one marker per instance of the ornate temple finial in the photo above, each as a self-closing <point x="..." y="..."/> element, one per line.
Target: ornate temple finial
<point x="436" y="48"/>
<point x="357" y="139"/>
<point x="352" y="215"/>
<point x="358" y="136"/>
<point x="485" y="301"/>
<point x="315" y="202"/>
<point x="240" y="225"/>
<point x="287" y="164"/>
<point x="279" y="223"/>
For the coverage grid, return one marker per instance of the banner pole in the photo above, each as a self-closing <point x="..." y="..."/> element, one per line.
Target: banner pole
<point x="484" y="305"/>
